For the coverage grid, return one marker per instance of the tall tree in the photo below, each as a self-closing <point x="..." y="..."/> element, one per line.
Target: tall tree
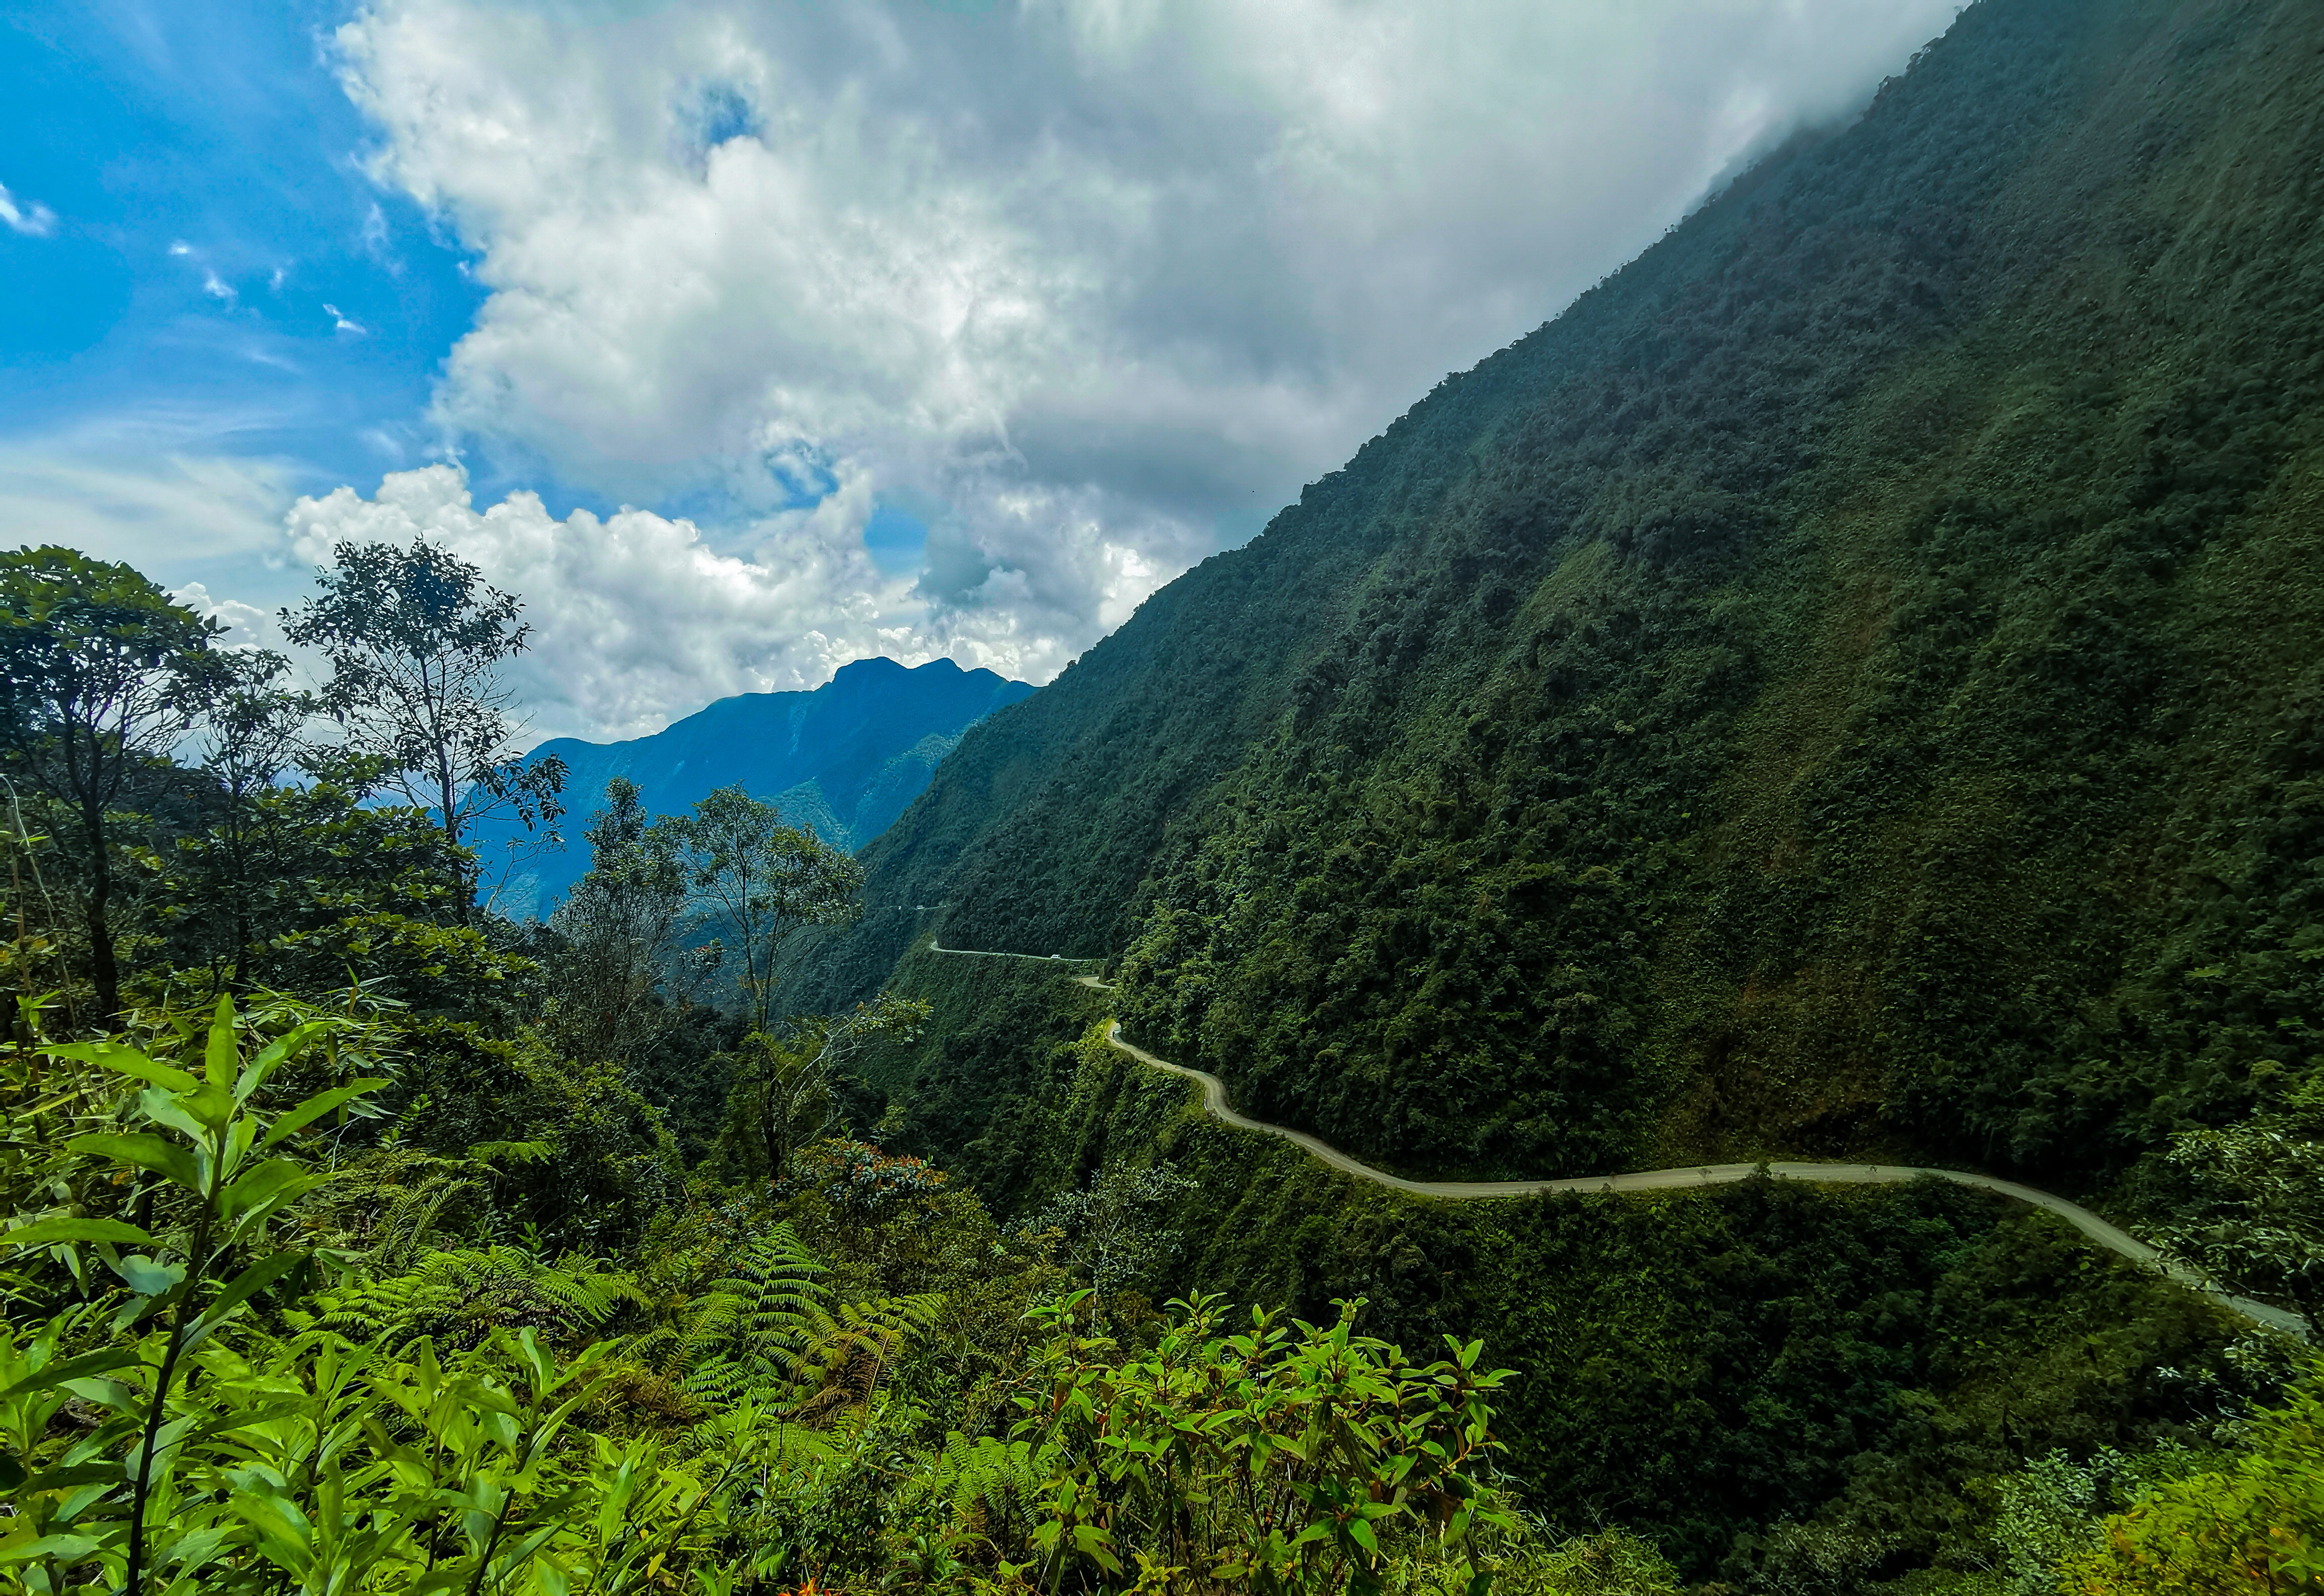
<point x="415" y="639"/>
<point x="2251" y="1216"/>
<point x="781" y="1099"/>
<point x="252" y="731"/>
<point x="100" y="674"/>
<point x="619" y="925"/>
<point x="757" y="880"/>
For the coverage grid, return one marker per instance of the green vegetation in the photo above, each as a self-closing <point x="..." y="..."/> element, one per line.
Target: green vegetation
<point x="384" y="1245"/>
<point x="415" y="638"/>
<point x="1850" y="685"/>
<point x="395" y="1280"/>
<point x="254" y="1401"/>
<point x="1765" y="1379"/>
<point x="2252" y="1527"/>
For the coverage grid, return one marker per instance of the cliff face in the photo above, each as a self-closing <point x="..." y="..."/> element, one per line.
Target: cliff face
<point x="1852" y="682"/>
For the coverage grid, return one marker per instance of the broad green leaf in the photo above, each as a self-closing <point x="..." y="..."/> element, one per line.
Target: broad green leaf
<point x="248" y="1418"/>
<point x="71" y="1369"/>
<point x="169" y="1108"/>
<point x="241" y="1134"/>
<point x="64" y="1548"/>
<point x="128" y="1061"/>
<point x="265" y="1188"/>
<point x="281" y="1051"/>
<point x="214" y="1106"/>
<point x="48" y="1232"/>
<point x="148" y="1277"/>
<point x="97" y="1389"/>
<point x="220" y="1054"/>
<point x="162" y="1155"/>
<point x="65" y="1479"/>
<point x="321" y="1104"/>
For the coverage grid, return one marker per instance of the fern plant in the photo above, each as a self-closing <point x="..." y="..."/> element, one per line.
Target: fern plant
<point x="856" y="1345"/>
<point x="752" y="1328"/>
<point x="461" y="1298"/>
<point x="767" y="1330"/>
<point x="997" y="1490"/>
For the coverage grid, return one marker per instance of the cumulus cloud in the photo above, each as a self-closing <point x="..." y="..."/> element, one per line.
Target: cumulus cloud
<point x="29" y="218"/>
<point x="1106" y="280"/>
<point x="247" y="626"/>
<point x="637" y="619"/>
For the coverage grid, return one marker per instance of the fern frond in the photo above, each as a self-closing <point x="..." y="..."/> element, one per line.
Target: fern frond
<point x="460" y="1298"/>
<point x="513" y="1152"/>
<point x="995" y="1486"/>
<point x="854" y="1347"/>
<point x="751" y="1328"/>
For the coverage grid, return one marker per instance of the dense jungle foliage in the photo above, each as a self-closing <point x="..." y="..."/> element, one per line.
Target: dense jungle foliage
<point x="356" y="1239"/>
<point x="370" y="1242"/>
<point x="276" y="1324"/>
<point x="1850" y="684"/>
<point x="1788" y="1389"/>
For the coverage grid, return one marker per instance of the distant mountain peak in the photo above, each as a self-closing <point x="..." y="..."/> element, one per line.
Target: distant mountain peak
<point x="842" y="760"/>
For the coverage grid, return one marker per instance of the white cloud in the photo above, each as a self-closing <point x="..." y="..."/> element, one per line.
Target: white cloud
<point x="637" y="619"/>
<point x="155" y="490"/>
<point x="342" y="324"/>
<point x="29" y="218"/>
<point x="247" y="625"/>
<point x="1110" y="280"/>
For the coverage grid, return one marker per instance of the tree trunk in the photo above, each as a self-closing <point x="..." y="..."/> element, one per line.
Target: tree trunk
<point x="105" y="970"/>
<point x="774" y="1122"/>
<point x="464" y="883"/>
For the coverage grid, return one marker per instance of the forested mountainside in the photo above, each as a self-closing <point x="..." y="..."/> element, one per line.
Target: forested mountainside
<point x="1851" y="682"/>
<point x="843" y="760"/>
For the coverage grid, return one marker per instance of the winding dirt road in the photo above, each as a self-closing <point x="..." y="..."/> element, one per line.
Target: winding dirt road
<point x="2111" y="1237"/>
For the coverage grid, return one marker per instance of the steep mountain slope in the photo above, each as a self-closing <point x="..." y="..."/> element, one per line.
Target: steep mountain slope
<point x="1851" y="683"/>
<point x="843" y="760"/>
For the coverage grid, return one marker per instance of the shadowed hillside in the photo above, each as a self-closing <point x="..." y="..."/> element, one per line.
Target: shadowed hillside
<point x="1851" y="683"/>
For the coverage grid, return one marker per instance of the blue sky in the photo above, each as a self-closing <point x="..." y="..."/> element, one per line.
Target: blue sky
<point x="218" y="276"/>
<point x="744" y="339"/>
<point x="204" y="265"/>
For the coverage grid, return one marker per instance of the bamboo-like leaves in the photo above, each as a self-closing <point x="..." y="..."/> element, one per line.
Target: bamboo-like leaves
<point x="128" y="1061"/>
<point x="163" y="1157"/>
<point x="48" y="1232"/>
<point x="103" y="1362"/>
<point x="321" y="1104"/>
<point x="221" y="1054"/>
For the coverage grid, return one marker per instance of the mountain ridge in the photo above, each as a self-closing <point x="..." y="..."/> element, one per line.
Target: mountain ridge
<point x="842" y="760"/>
<point x="1753" y="712"/>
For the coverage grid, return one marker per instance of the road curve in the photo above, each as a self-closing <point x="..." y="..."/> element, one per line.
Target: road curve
<point x="2113" y="1238"/>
